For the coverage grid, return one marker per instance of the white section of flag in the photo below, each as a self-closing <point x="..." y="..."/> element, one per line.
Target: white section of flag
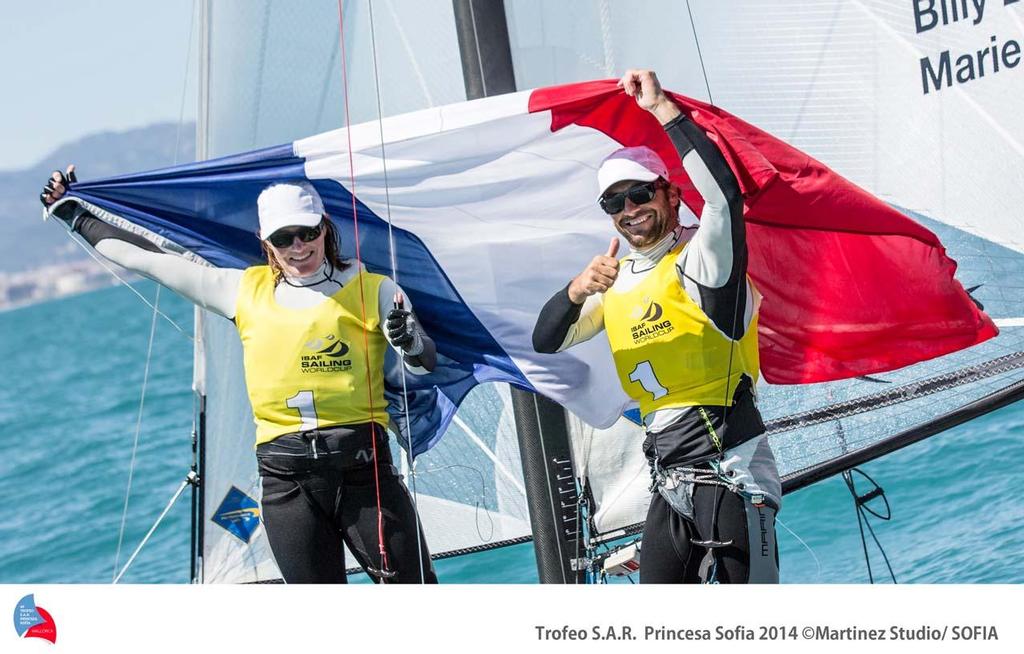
<point x="483" y="218"/>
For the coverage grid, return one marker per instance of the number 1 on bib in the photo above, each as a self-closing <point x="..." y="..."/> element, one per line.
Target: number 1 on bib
<point x="303" y="402"/>
<point x="643" y="374"/>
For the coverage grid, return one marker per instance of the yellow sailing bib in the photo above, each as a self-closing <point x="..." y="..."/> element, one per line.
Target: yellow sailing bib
<point x="307" y="368"/>
<point x="667" y="352"/>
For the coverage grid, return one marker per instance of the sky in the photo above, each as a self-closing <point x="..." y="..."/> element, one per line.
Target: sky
<point x="76" y="67"/>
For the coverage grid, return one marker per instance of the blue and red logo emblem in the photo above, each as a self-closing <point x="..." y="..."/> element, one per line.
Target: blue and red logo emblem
<point x="31" y="621"/>
<point x="239" y="514"/>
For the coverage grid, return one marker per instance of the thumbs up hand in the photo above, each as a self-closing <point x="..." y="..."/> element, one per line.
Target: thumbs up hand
<point x="401" y="328"/>
<point x="598" y="276"/>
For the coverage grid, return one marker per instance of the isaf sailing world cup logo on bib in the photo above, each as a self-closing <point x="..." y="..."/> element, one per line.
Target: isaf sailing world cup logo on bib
<point x="32" y="621"/>
<point x="649" y="324"/>
<point x="325" y="354"/>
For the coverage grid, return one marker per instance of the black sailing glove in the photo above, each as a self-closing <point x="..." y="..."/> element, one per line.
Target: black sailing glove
<point x="402" y="332"/>
<point x="55" y="190"/>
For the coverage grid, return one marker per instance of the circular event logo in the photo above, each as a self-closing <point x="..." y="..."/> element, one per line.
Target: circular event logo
<point x="31" y="621"/>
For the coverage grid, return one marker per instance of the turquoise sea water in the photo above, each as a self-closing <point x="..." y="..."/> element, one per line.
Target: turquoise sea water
<point x="72" y="375"/>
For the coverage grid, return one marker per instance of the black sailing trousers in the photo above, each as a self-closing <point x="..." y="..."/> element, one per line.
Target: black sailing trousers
<point x="672" y="553"/>
<point x="319" y="493"/>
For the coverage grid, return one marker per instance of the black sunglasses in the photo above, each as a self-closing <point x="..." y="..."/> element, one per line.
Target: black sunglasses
<point x="641" y="193"/>
<point x="282" y="238"/>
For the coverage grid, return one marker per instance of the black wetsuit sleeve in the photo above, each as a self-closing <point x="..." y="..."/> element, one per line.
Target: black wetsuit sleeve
<point x="717" y="263"/>
<point x="94" y="230"/>
<point x="212" y="288"/>
<point x="554" y="321"/>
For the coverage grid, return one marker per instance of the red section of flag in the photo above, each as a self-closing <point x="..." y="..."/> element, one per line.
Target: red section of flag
<point x="46" y="630"/>
<point x="851" y="286"/>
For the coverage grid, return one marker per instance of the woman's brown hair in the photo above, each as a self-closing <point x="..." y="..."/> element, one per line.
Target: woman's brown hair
<point x="331" y="250"/>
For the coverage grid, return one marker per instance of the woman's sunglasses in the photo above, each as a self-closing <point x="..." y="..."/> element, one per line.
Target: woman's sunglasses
<point x="641" y="193"/>
<point x="282" y="238"/>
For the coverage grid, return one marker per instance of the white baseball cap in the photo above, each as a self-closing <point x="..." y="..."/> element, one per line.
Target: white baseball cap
<point x="291" y="204"/>
<point x="638" y="163"/>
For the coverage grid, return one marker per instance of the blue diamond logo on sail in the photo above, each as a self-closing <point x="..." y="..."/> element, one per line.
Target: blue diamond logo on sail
<point x="239" y="514"/>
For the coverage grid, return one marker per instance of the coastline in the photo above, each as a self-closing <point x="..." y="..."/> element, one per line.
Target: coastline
<point x="25" y="288"/>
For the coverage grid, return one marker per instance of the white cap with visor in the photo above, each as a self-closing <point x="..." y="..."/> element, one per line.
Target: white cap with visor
<point x="638" y="163"/>
<point x="291" y="204"/>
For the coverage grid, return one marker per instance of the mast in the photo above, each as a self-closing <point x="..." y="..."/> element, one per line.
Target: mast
<point x="199" y="367"/>
<point x="541" y="428"/>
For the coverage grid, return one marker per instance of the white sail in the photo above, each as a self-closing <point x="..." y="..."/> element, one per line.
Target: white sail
<point x="469" y="487"/>
<point x="842" y="80"/>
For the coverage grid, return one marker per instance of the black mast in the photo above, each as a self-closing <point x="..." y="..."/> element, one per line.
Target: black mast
<point x="198" y="477"/>
<point x="544" y="447"/>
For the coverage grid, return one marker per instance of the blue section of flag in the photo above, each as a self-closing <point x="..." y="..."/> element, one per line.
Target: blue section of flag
<point x="239" y="514"/>
<point x="25" y="615"/>
<point x="209" y="208"/>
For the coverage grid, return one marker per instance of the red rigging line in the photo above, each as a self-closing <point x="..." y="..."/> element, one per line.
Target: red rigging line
<point x="362" y="299"/>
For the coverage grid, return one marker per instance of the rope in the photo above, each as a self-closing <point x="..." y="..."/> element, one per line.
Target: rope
<point x="700" y="57"/>
<point x="149" y="347"/>
<point x="860" y="505"/>
<point x="410" y="459"/>
<point x="138" y="430"/>
<point x="726" y="403"/>
<point x="362" y="298"/>
<point x="478" y="504"/>
<point x="177" y="142"/>
<point x="189" y="480"/>
<point x="817" y="562"/>
<point x="88" y="250"/>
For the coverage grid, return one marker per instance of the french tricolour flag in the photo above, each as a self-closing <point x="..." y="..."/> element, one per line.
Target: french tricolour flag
<point x="493" y="208"/>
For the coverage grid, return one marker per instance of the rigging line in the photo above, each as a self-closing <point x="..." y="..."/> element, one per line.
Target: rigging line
<point x="488" y="452"/>
<point x="411" y="460"/>
<point x="184" y="84"/>
<point x="138" y="430"/>
<point x="726" y="402"/>
<point x="362" y="296"/>
<point x="604" y="15"/>
<point x="860" y="524"/>
<point x="860" y="503"/>
<point x="700" y="57"/>
<point x="177" y="141"/>
<point x="817" y="562"/>
<point x="152" y="325"/>
<point x="190" y="479"/>
<point x="413" y="60"/>
<point x="88" y="250"/>
<point x="476" y="44"/>
<point x="478" y="506"/>
<point x="260" y="68"/>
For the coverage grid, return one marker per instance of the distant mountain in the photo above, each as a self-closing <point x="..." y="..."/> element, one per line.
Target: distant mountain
<point x="26" y="242"/>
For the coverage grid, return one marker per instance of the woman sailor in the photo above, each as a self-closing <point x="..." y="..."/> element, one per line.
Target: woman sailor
<point x="314" y="341"/>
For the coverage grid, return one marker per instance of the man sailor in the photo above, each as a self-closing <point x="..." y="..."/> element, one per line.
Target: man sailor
<point x="680" y="316"/>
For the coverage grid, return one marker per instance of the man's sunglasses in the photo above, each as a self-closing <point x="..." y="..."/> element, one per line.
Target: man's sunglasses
<point x="641" y="193"/>
<point x="282" y="238"/>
